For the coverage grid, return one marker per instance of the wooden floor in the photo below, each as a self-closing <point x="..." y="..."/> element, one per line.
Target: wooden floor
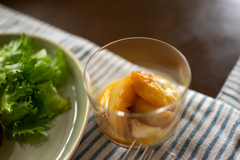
<point x="206" y="32"/>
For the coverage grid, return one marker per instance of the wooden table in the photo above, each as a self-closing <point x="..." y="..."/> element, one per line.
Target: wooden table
<point x="206" y="32"/>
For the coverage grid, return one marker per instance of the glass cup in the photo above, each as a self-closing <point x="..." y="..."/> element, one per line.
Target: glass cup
<point x="118" y="59"/>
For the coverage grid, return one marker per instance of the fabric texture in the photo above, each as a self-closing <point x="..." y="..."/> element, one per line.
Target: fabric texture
<point x="208" y="129"/>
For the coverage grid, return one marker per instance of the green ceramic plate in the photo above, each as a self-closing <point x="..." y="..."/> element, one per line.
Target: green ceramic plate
<point x="68" y="128"/>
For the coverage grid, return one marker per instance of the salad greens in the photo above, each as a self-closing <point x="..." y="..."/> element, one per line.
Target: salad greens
<point x="28" y="95"/>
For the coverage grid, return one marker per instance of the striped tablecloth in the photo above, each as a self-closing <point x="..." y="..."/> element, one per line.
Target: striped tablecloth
<point x="209" y="127"/>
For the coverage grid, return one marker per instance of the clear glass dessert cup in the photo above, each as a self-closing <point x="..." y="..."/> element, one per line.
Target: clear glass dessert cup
<point x="117" y="60"/>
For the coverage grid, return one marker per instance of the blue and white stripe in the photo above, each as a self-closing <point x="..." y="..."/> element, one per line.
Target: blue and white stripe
<point x="230" y="92"/>
<point x="209" y="128"/>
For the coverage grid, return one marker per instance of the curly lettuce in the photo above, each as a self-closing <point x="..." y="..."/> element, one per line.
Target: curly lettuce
<point x="28" y="94"/>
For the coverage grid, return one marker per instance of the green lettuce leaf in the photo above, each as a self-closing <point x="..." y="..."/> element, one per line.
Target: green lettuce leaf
<point x="28" y="97"/>
<point x="61" y="69"/>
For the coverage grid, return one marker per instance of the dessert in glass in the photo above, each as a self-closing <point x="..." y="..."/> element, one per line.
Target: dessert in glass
<point x="137" y="88"/>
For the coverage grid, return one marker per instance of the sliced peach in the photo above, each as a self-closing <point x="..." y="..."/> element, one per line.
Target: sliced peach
<point x="104" y="98"/>
<point x="144" y="132"/>
<point x="148" y="89"/>
<point x="122" y="95"/>
<point x="120" y="125"/>
<point x="162" y="119"/>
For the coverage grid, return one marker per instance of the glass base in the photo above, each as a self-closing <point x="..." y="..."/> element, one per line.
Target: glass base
<point x="153" y="143"/>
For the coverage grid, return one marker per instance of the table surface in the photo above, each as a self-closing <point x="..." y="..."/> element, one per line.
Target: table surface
<point x="206" y="32"/>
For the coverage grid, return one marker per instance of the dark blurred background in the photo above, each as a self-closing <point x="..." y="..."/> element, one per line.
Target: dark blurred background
<point x="206" y="32"/>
